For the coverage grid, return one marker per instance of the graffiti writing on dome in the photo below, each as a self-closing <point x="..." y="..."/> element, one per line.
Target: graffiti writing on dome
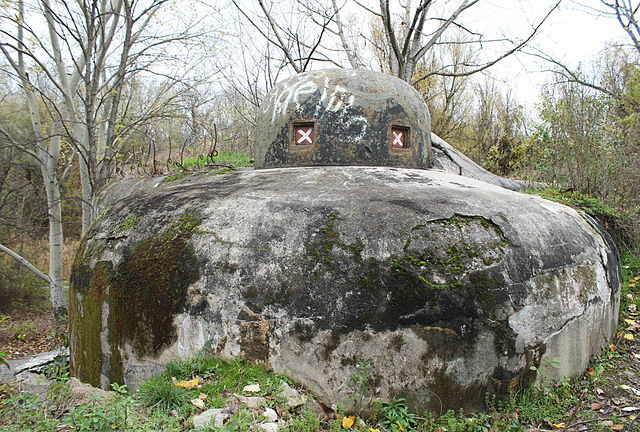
<point x="332" y="97"/>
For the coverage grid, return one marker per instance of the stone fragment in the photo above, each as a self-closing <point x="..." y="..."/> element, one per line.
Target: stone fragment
<point x="251" y="401"/>
<point x="293" y="397"/>
<point x="268" y="427"/>
<point x="82" y="393"/>
<point x="33" y="383"/>
<point x="270" y="414"/>
<point x="211" y="417"/>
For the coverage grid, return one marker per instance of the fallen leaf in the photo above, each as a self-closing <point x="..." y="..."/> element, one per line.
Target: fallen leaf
<point x="620" y="401"/>
<point x="347" y="422"/>
<point x="252" y="388"/>
<point x="202" y="396"/>
<point x="599" y="391"/>
<point x="328" y="411"/>
<point x="608" y="423"/>
<point x="198" y="402"/>
<point x="617" y="427"/>
<point x="631" y="389"/>
<point x="613" y="347"/>
<point x="591" y="371"/>
<point x="596" y="406"/>
<point x="630" y="409"/>
<point x="190" y="384"/>
<point x="559" y="425"/>
<point x="628" y="336"/>
<point x="373" y="430"/>
<point x="631" y="322"/>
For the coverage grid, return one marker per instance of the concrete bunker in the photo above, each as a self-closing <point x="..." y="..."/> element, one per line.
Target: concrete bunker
<point x="346" y="248"/>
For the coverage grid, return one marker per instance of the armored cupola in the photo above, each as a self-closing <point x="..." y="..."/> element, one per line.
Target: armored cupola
<point x="343" y="117"/>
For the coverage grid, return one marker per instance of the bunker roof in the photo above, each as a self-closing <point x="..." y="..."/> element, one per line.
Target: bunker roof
<point x="343" y="117"/>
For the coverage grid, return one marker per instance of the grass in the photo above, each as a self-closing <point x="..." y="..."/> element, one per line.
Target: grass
<point x="168" y="401"/>
<point x="588" y="203"/>
<point x="199" y="165"/>
<point x="224" y="157"/>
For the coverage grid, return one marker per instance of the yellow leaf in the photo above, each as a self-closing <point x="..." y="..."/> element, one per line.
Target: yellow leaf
<point x="253" y="388"/>
<point x="374" y="430"/>
<point x="347" y="422"/>
<point x="202" y="396"/>
<point x="617" y="427"/>
<point x="631" y="322"/>
<point x="400" y="426"/>
<point x="632" y="285"/>
<point x="628" y="336"/>
<point x="559" y="425"/>
<point x="190" y="384"/>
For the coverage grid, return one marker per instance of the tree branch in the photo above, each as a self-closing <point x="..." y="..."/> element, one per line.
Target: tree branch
<point x="24" y="262"/>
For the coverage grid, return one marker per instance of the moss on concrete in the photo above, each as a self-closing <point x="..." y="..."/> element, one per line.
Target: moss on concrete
<point x="128" y="223"/>
<point x="327" y="241"/>
<point x="149" y="287"/>
<point x="143" y="293"/>
<point x="85" y="316"/>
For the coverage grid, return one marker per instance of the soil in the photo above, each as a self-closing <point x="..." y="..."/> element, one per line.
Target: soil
<point x="27" y="332"/>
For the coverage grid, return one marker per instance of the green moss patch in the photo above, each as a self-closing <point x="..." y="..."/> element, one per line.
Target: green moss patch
<point x="149" y="288"/>
<point x="445" y="255"/>
<point x="128" y="223"/>
<point x="143" y="293"/>
<point x="85" y="316"/>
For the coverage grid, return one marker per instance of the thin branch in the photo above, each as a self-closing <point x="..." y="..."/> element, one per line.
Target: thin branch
<point x="24" y="262"/>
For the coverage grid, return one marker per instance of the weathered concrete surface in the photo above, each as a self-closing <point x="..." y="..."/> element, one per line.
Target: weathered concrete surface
<point x="450" y="159"/>
<point x="33" y="363"/>
<point x="353" y="112"/>
<point x="446" y="286"/>
<point x="26" y="372"/>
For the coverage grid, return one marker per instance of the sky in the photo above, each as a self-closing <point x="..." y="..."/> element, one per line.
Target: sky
<point x="573" y="35"/>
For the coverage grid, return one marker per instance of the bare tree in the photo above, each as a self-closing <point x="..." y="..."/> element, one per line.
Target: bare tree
<point x="625" y="12"/>
<point x="407" y="39"/>
<point x="77" y="67"/>
<point x="293" y="32"/>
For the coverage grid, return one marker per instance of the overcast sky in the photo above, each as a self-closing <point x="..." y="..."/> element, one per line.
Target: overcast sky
<point x="572" y="35"/>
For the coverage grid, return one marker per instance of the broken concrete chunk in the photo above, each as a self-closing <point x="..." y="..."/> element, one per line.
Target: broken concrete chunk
<point x="211" y="417"/>
<point x="268" y="427"/>
<point x="293" y="397"/>
<point x="270" y="414"/>
<point x="252" y="401"/>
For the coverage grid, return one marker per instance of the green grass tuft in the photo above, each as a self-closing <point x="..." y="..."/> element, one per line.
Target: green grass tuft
<point x="588" y="203"/>
<point x="163" y="395"/>
<point x="224" y="157"/>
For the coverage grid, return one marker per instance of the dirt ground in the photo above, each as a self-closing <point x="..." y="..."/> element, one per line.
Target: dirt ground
<point x="24" y="333"/>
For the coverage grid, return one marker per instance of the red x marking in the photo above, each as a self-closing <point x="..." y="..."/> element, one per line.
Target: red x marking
<point x="304" y="135"/>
